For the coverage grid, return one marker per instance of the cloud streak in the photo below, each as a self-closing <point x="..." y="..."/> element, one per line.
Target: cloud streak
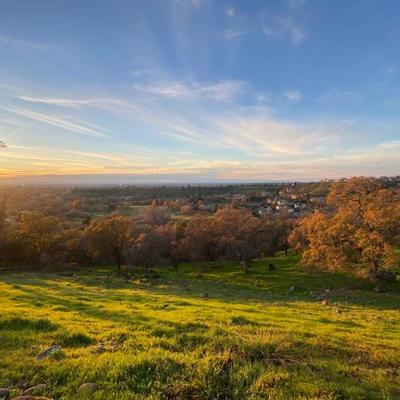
<point x="58" y="122"/>
<point x="222" y="90"/>
<point x="234" y="34"/>
<point x="23" y="44"/>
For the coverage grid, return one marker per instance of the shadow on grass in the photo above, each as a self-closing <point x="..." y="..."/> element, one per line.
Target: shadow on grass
<point x="20" y="324"/>
<point x="287" y="283"/>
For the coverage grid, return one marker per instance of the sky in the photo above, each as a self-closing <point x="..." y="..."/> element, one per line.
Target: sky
<point x="118" y="91"/>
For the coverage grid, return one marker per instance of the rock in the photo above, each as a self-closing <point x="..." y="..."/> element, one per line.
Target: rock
<point x="292" y="288"/>
<point x="4" y="394"/>
<point x="87" y="387"/>
<point x="327" y="291"/>
<point x="47" y="352"/>
<point x="378" y="289"/>
<point x="99" y="349"/>
<point x="324" y="302"/>
<point x="35" y="390"/>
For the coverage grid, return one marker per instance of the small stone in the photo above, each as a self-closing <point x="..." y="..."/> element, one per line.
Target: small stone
<point x="86" y="387"/>
<point x="4" y="394"/>
<point x="327" y="291"/>
<point x="99" y="349"/>
<point x="324" y="302"/>
<point x="34" y="390"/>
<point x="292" y="288"/>
<point x="47" y="352"/>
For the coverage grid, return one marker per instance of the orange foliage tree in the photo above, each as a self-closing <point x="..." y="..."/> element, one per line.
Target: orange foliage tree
<point x="355" y="233"/>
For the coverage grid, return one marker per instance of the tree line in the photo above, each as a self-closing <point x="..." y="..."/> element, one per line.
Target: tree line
<point x="152" y="239"/>
<point x="357" y="231"/>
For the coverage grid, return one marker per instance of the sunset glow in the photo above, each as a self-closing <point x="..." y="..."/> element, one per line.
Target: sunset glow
<point x="162" y="91"/>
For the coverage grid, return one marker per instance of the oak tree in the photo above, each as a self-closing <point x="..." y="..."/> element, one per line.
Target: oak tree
<point x="356" y="233"/>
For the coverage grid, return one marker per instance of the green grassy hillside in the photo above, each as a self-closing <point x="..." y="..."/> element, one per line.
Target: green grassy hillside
<point x="201" y="333"/>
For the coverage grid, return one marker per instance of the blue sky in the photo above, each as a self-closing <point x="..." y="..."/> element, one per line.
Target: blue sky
<point x="199" y="90"/>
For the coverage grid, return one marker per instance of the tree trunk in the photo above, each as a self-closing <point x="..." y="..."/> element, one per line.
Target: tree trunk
<point x="119" y="262"/>
<point x="245" y="266"/>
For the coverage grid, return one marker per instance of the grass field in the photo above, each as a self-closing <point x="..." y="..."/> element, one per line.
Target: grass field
<point x="214" y="334"/>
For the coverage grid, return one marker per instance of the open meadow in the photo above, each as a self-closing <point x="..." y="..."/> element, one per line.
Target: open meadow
<point x="200" y="333"/>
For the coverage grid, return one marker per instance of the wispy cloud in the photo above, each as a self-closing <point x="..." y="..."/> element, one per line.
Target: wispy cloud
<point x="293" y="95"/>
<point x="222" y="90"/>
<point x="263" y="136"/>
<point x="284" y="25"/>
<point x="192" y="3"/>
<point x="392" y="144"/>
<point x="8" y="121"/>
<point x="69" y="102"/>
<point x="232" y="34"/>
<point x="337" y="94"/>
<point x="19" y="43"/>
<point x="167" y="89"/>
<point x="230" y="11"/>
<point x="58" y="122"/>
<point x="293" y="4"/>
<point x="55" y="101"/>
<point x="280" y="27"/>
